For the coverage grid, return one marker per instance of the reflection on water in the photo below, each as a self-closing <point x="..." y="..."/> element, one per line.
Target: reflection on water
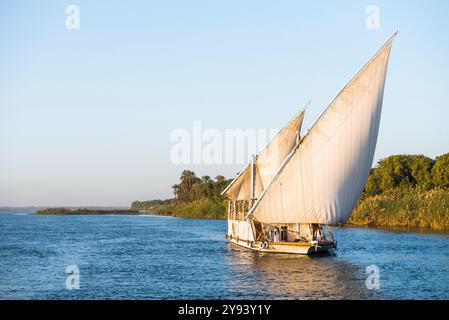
<point x="153" y="257"/>
<point x="287" y="276"/>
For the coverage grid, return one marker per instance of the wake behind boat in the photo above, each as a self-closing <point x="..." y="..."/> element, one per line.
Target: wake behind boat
<point x="284" y="200"/>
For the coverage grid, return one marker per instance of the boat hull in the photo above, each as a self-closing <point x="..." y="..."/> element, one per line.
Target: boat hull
<point x="241" y="233"/>
<point x="302" y="249"/>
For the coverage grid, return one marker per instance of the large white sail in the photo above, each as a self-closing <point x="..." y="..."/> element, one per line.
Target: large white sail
<point x="267" y="163"/>
<point x="323" y="177"/>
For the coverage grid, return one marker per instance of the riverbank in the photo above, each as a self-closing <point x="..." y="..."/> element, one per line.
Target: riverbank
<point x="204" y="209"/>
<point x="65" y="211"/>
<point x="404" y="208"/>
<point x="411" y="208"/>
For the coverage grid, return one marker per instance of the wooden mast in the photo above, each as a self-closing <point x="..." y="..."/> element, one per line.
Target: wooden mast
<point x="253" y="180"/>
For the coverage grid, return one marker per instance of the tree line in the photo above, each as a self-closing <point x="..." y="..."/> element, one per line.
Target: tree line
<point x="408" y="171"/>
<point x="191" y="188"/>
<point x="195" y="196"/>
<point x="147" y="204"/>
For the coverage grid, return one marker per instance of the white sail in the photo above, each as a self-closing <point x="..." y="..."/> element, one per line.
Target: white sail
<point x="267" y="163"/>
<point x="322" y="179"/>
<point x="240" y="187"/>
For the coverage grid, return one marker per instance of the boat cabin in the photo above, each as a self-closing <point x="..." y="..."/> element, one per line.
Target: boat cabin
<point x="276" y="233"/>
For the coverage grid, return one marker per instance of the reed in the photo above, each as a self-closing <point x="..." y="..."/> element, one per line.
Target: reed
<point x="404" y="208"/>
<point x="202" y="208"/>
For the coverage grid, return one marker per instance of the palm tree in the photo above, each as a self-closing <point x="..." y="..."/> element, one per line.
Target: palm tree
<point x="220" y="178"/>
<point x="175" y="188"/>
<point x="188" y="179"/>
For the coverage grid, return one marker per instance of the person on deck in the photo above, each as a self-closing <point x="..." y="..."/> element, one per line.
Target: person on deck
<point x="276" y="235"/>
<point x="314" y="231"/>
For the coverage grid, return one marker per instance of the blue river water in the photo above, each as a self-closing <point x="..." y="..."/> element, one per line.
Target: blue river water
<point x="155" y="257"/>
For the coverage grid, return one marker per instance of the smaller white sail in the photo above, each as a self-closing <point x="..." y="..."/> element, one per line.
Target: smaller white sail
<point x="240" y="188"/>
<point x="271" y="157"/>
<point x="267" y="163"/>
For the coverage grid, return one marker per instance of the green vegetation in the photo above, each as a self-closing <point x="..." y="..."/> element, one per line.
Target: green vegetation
<point x="440" y="171"/>
<point x="404" y="208"/>
<point x="201" y="208"/>
<point x="162" y="207"/>
<point x="65" y="211"/>
<point x="403" y="172"/>
<point x="194" y="197"/>
<point x="406" y="191"/>
<point x="402" y="190"/>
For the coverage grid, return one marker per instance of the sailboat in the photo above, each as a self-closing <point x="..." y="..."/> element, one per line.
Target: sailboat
<point x="289" y="194"/>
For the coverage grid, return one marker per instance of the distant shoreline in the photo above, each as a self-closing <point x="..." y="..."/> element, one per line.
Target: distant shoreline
<point x="80" y="212"/>
<point x="387" y="224"/>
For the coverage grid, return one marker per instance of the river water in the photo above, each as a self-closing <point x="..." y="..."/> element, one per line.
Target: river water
<point x="155" y="257"/>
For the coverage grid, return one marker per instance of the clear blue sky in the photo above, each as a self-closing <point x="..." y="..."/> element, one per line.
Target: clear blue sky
<point x="85" y="115"/>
